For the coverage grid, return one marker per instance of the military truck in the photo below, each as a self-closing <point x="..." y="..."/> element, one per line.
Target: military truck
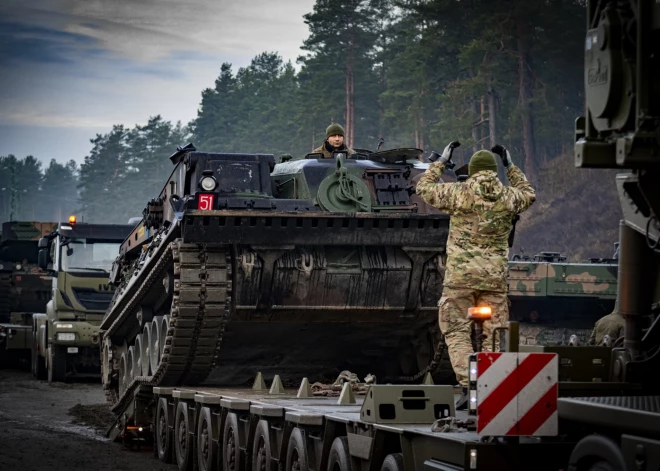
<point x="66" y="337"/>
<point x="24" y="288"/>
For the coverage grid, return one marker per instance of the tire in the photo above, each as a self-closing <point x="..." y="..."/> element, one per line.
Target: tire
<point x="602" y="466"/>
<point x="182" y="441"/>
<point x="56" y="364"/>
<point x="339" y="458"/>
<point x="206" y="447"/>
<point x="261" y="455"/>
<point x="296" y="452"/>
<point x="231" y="452"/>
<point x="393" y="462"/>
<point x="163" y="432"/>
<point x="38" y="362"/>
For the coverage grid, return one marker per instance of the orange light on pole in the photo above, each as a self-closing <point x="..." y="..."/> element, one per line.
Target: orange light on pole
<point x="72" y="219"/>
<point x="480" y="313"/>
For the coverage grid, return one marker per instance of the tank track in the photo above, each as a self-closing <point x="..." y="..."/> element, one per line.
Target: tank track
<point x="198" y="317"/>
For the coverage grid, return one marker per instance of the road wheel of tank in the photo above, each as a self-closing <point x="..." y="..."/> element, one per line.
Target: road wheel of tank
<point x="182" y="441"/>
<point x="296" y="453"/>
<point x="154" y="343"/>
<point x="261" y="448"/>
<point x="393" y="462"/>
<point x="163" y="432"/>
<point x="206" y="447"/>
<point x="339" y="458"/>
<point x="146" y="350"/>
<point x="231" y="453"/>
<point x="56" y="364"/>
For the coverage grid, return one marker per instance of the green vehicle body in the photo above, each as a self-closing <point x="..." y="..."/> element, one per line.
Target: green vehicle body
<point x="554" y="300"/>
<point x="24" y="287"/>
<point x="66" y="337"/>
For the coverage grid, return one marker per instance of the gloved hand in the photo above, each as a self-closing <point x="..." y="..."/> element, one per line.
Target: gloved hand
<point x="504" y="155"/>
<point x="445" y="158"/>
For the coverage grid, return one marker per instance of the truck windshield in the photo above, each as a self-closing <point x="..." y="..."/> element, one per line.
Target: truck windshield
<point x="89" y="255"/>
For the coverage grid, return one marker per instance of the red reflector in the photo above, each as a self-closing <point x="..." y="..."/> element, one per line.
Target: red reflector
<point x="205" y="202"/>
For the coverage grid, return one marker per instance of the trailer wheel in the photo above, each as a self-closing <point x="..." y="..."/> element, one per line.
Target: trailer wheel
<point x="339" y="459"/>
<point x="231" y="452"/>
<point x="206" y="447"/>
<point x="182" y="441"/>
<point x="393" y="462"/>
<point x="603" y="466"/>
<point x="596" y="453"/>
<point x="163" y="432"/>
<point x="296" y="453"/>
<point x="38" y="363"/>
<point x="56" y="364"/>
<point x="261" y="450"/>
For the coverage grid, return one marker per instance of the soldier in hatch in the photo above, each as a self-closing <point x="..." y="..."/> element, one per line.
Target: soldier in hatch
<point x="481" y="210"/>
<point x="612" y="325"/>
<point x="334" y="142"/>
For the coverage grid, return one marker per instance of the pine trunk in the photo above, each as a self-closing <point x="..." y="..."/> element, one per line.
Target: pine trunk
<point x="492" y="117"/>
<point x="475" y="127"/>
<point x="524" y="100"/>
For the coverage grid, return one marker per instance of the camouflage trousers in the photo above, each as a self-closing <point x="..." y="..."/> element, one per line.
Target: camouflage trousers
<point x="457" y="329"/>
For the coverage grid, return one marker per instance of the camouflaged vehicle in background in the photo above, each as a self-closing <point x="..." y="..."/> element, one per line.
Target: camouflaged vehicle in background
<point x="554" y="300"/>
<point x="24" y="287"/>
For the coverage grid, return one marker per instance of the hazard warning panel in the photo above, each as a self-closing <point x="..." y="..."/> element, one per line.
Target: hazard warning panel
<point x="516" y="394"/>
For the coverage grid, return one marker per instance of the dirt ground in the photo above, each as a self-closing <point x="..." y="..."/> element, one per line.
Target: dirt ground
<point x="60" y="427"/>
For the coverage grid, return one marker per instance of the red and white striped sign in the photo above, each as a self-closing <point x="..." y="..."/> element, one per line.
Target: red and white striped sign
<point x="517" y="394"/>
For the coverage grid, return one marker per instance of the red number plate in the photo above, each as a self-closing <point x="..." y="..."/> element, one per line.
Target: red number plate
<point x="205" y="202"/>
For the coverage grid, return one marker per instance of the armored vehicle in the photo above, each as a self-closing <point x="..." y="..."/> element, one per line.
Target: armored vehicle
<point x="309" y="265"/>
<point x="79" y="257"/>
<point x="554" y="300"/>
<point x="24" y="287"/>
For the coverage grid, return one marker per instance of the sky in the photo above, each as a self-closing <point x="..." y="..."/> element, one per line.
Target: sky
<point x="70" y="69"/>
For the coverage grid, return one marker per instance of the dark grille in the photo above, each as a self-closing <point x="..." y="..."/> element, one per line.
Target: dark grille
<point x="93" y="300"/>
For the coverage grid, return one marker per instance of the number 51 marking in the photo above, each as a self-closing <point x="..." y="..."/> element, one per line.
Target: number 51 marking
<point x="205" y="202"/>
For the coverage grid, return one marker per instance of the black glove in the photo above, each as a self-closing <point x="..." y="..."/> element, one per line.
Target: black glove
<point x="445" y="158"/>
<point x="504" y="155"/>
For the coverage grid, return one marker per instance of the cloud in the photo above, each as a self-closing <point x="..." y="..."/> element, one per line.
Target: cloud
<point x="76" y="65"/>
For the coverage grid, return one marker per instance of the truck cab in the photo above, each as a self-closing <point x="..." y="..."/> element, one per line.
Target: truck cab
<point x="79" y="256"/>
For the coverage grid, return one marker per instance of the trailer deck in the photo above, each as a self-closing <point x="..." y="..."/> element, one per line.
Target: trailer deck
<point x="214" y="425"/>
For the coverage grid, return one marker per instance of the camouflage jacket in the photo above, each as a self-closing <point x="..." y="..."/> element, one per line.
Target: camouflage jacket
<point x="323" y="149"/>
<point x="612" y="324"/>
<point x="481" y="211"/>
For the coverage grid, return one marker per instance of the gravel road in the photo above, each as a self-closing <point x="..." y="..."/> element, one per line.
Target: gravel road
<point x="60" y="427"/>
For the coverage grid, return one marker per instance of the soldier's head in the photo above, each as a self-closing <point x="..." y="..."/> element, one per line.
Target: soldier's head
<point x="334" y="134"/>
<point x="482" y="160"/>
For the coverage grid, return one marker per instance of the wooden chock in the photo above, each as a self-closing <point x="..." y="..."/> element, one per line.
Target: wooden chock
<point x="346" y="397"/>
<point x="305" y="390"/>
<point x="259" y="383"/>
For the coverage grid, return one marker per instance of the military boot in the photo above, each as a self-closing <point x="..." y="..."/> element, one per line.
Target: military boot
<point x="462" y="403"/>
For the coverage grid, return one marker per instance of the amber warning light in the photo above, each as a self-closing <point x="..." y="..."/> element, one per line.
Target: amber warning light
<point x="481" y="313"/>
<point x="72" y="219"/>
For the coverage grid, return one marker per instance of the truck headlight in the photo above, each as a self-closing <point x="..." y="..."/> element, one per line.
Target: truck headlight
<point x="64" y="326"/>
<point x="66" y="336"/>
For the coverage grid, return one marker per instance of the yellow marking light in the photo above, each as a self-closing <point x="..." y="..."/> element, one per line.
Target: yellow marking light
<point x="72" y="219"/>
<point x="483" y="313"/>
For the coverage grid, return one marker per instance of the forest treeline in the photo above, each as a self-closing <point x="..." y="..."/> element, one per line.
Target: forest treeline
<point x="415" y="73"/>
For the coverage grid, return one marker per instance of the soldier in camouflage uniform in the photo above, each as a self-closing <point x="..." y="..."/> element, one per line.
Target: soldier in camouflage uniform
<point x="481" y="211"/>
<point x="611" y="325"/>
<point x="334" y="142"/>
